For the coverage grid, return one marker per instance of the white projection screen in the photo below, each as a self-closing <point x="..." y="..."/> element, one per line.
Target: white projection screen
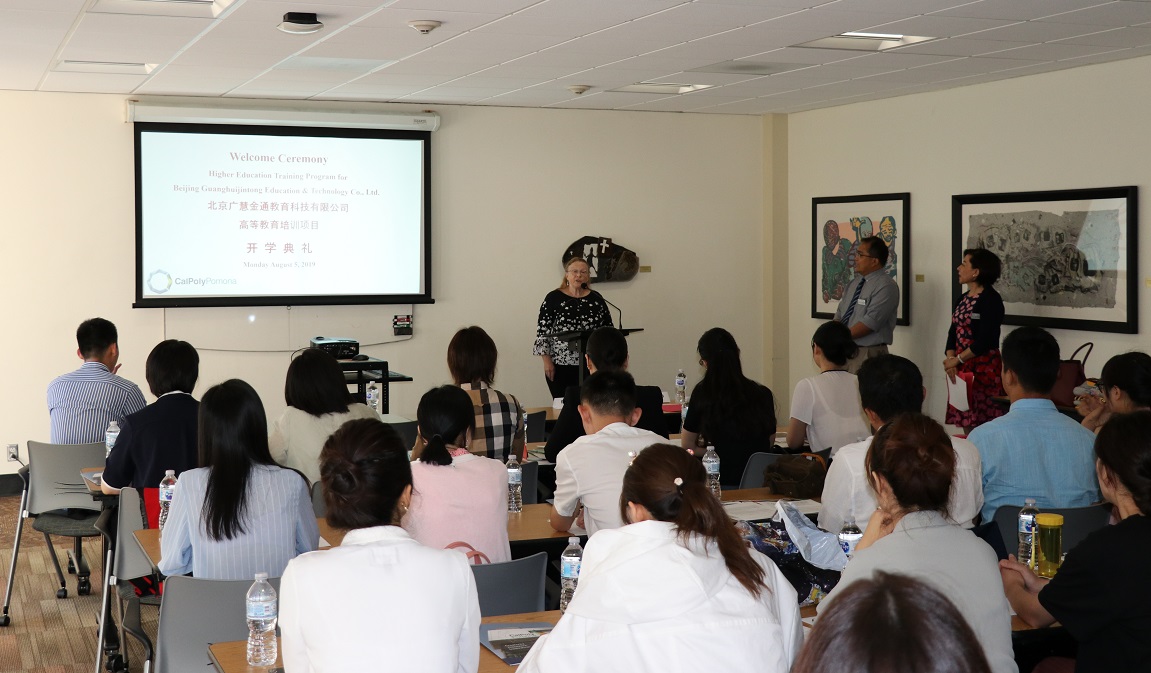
<point x="240" y="215"/>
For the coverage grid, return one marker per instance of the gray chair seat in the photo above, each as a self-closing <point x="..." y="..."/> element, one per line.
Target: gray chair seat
<point x="67" y="526"/>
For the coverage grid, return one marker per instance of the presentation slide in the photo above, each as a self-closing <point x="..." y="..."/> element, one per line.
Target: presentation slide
<point x="265" y="216"/>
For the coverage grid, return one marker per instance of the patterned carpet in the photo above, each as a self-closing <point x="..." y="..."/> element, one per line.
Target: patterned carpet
<point x="46" y="634"/>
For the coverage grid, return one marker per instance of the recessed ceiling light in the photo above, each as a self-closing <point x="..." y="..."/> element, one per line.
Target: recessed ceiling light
<point x="300" y="23"/>
<point x="105" y="67"/>
<point x="857" y="41"/>
<point x="668" y="88"/>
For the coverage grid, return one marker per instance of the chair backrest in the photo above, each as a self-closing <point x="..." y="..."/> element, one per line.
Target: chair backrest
<point x="407" y="432"/>
<point x="1078" y="523"/>
<point x="54" y="475"/>
<point x="537" y="432"/>
<point x="196" y="612"/>
<point x="318" y="505"/>
<point x="529" y="484"/>
<point x="753" y="472"/>
<point x="130" y="560"/>
<point x="511" y="587"/>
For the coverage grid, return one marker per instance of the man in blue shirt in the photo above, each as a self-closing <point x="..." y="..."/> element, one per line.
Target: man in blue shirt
<point x="82" y="403"/>
<point x="1034" y="451"/>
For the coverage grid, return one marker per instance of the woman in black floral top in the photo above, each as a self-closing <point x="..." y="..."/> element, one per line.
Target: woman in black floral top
<point x="570" y="308"/>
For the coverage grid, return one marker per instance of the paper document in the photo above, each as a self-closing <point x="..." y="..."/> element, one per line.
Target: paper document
<point x="957" y="394"/>
<point x="511" y="642"/>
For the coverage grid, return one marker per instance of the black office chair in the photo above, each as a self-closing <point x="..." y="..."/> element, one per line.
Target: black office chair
<point x="753" y="472"/>
<point x="407" y="433"/>
<point x="126" y="561"/>
<point x="529" y="483"/>
<point x="537" y="430"/>
<point x="511" y="587"/>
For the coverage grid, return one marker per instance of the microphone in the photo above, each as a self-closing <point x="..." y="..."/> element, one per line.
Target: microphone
<point x="585" y="287"/>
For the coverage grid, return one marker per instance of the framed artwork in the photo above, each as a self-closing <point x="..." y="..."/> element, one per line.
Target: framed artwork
<point x="1069" y="256"/>
<point x="838" y="223"/>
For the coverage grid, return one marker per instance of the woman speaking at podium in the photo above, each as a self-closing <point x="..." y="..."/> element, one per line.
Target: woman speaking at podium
<point x="572" y="307"/>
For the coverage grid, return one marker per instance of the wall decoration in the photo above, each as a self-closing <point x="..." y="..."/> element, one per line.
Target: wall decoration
<point x="838" y="223"/>
<point x="608" y="261"/>
<point x="1069" y="256"/>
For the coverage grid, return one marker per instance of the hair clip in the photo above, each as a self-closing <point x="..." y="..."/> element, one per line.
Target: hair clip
<point x="631" y="457"/>
<point x="678" y="481"/>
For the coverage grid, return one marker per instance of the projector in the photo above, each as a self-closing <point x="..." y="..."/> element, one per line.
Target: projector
<point x="341" y="349"/>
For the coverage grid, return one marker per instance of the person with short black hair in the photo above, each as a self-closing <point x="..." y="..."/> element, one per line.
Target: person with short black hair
<point x="1124" y="386"/>
<point x="911" y="467"/>
<point x="870" y="303"/>
<point x="973" y="340"/>
<point x="1034" y="451"/>
<point x="590" y="471"/>
<point x="318" y="403"/>
<point x="82" y="403"/>
<point x="727" y="410"/>
<point x="825" y="409"/>
<point x="162" y="435"/>
<point x="379" y="596"/>
<point x="892" y="623"/>
<point x="239" y="513"/>
<point x="459" y="496"/>
<point x="890" y="385"/>
<point x="677" y="570"/>
<point x="499" y="425"/>
<point x="606" y="349"/>
<point x="1099" y="594"/>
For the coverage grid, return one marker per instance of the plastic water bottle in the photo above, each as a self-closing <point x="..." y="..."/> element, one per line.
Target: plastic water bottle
<point x="680" y="387"/>
<point x="849" y="536"/>
<point x="1026" y="552"/>
<point x="167" y="490"/>
<point x="711" y="464"/>
<point x="110" y="436"/>
<point x="515" y="484"/>
<point x="569" y="571"/>
<point x="372" y="396"/>
<point x="262" y="613"/>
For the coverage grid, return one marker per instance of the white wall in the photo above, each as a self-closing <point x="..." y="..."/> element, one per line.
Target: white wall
<point x="512" y="188"/>
<point x="1084" y="127"/>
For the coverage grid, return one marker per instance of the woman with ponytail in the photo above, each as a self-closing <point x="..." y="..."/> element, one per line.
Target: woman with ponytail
<point x="911" y="465"/>
<point x="674" y="590"/>
<point x="380" y="596"/>
<point x="457" y="496"/>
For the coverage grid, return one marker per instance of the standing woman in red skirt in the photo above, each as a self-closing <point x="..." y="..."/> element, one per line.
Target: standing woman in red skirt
<point x="973" y="340"/>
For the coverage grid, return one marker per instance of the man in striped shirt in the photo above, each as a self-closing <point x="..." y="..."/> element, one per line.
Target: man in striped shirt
<point x="82" y="403"/>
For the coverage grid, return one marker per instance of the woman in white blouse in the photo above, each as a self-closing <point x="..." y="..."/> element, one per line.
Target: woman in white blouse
<point x="825" y="409"/>
<point x="676" y="589"/>
<point x="381" y="600"/>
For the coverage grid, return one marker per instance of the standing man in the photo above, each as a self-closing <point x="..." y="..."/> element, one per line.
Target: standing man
<point x="870" y="303"/>
<point x="82" y="403"/>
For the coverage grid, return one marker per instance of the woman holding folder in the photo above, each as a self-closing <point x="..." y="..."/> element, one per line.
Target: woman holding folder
<point x="973" y="340"/>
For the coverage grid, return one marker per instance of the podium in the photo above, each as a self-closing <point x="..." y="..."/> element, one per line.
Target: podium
<point x="577" y="340"/>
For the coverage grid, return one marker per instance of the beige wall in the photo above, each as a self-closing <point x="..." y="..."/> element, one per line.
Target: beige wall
<point x="513" y="187"/>
<point x="1084" y="127"/>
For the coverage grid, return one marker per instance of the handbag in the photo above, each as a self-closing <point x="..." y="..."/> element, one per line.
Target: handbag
<point x="796" y="475"/>
<point x="475" y="557"/>
<point x="1072" y="373"/>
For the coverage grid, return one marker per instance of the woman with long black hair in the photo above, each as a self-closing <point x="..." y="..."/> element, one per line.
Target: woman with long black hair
<point x="727" y="410"/>
<point x="239" y="513"/>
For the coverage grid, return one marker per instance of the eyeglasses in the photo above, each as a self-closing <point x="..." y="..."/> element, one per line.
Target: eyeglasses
<point x="864" y="254"/>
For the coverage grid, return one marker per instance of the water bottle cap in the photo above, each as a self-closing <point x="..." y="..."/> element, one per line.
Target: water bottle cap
<point x="113" y="424"/>
<point x="169" y="473"/>
<point x="1029" y="501"/>
<point x="573" y="540"/>
<point x="261" y="577"/>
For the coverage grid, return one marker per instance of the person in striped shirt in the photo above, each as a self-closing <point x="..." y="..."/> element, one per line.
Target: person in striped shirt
<point x="82" y="403"/>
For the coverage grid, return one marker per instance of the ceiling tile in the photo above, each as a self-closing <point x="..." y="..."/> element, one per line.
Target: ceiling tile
<point x="91" y="82"/>
<point x="940" y="26"/>
<point x="908" y="7"/>
<point x="1017" y="10"/>
<point x="959" y="46"/>
<point x="1135" y="36"/>
<point x="1052" y="51"/>
<point x="1114" y="14"/>
<point x="1036" y="31"/>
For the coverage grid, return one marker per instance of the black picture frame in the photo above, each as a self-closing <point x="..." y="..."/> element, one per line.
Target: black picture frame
<point x="828" y="280"/>
<point x="1054" y="274"/>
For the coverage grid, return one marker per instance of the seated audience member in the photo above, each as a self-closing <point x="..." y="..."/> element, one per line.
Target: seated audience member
<point x="240" y="513"/>
<point x="825" y="409"/>
<point x="894" y="624"/>
<point x="380" y="600"/>
<point x="911" y="465"/>
<point x="727" y="410"/>
<point x="162" y="435"/>
<point x="1034" y="451"/>
<point x="1125" y="385"/>
<point x="499" y="417"/>
<point x="1099" y="594"/>
<point x="606" y="349"/>
<point x="457" y="496"/>
<point x="318" y="403"/>
<point x="589" y="472"/>
<point x="890" y="385"/>
<point x="82" y="403"/>
<point x="677" y="572"/>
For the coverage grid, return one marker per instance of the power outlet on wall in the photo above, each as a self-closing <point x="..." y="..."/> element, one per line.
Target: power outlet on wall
<point x="13" y="453"/>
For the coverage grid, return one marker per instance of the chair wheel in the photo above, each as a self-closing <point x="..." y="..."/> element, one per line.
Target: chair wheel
<point x="71" y="566"/>
<point x="62" y="593"/>
<point x="115" y="664"/>
<point x="84" y="586"/>
<point x="5" y="621"/>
